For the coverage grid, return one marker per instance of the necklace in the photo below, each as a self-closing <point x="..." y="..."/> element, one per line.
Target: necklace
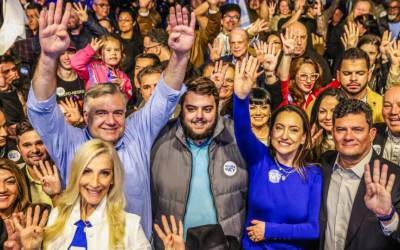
<point x="284" y="173"/>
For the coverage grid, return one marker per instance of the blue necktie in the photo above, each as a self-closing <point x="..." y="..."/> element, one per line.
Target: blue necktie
<point x="79" y="239"/>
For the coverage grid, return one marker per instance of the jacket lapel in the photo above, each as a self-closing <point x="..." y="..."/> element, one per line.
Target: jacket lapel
<point x="359" y="210"/>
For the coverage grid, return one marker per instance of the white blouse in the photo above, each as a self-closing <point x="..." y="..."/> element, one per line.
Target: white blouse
<point x="98" y="235"/>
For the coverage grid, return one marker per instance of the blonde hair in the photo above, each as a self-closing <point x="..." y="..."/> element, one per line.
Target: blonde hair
<point x="115" y="199"/>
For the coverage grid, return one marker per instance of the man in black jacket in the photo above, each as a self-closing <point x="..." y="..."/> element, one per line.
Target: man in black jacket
<point x="358" y="212"/>
<point x="387" y="140"/>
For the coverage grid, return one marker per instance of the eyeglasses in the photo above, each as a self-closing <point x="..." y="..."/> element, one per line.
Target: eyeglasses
<point x="311" y="77"/>
<point x="145" y="50"/>
<point x="235" y="18"/>
<point x="102" y="5"/>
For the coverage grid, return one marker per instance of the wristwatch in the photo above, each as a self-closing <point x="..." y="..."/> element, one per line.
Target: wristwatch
<point x="387" y="217"/>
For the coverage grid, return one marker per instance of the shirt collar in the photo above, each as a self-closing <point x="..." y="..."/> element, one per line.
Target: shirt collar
<point x="30" y="178"/>
<point x="357" y="169"/>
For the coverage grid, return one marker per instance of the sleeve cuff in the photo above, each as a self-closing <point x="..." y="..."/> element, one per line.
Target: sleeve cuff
<point x="41" y="106"/>
<point x="166" y="90"/>
<point x="390" y="228"/>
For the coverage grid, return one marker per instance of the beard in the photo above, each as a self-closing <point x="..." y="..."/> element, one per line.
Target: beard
<point x="191" y="134"/>
<point x="392" y="17"/>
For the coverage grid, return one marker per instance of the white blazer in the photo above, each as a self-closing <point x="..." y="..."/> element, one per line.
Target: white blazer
<point x="97" y="235"/>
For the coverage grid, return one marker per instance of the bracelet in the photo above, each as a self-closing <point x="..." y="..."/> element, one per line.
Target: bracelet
<point x="387" y="217"/>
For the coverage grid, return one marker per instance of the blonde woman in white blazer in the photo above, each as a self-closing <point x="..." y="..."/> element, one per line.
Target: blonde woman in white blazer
<point x="94" y="197"/>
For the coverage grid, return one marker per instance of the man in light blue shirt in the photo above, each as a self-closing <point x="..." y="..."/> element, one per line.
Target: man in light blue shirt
<point x="105" y="106"/>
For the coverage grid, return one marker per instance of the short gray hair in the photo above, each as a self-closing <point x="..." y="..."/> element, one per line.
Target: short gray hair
<point x="100" y="90"/>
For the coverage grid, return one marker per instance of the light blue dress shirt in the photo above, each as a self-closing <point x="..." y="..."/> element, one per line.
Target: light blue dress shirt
<point x="141" y="128"/>
<point x="200" y="208"/>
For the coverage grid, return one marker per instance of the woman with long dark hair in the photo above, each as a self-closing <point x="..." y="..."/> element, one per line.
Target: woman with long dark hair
<point x="284" y="189"/>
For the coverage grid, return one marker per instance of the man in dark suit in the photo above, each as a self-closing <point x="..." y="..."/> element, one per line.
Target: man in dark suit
<point x="358" y="211"/>
<point x="387" y="140"/>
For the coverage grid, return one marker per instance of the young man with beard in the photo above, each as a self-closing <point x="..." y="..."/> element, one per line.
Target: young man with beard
<point x="353" y="74"/>
<point x="387" y="140"/>
<point x="197" y="172"/>
<point x="33" y="152"/>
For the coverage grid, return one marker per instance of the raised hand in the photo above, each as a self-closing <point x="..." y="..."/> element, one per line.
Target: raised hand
<point x="49" y="178"/>
<point x="81" y="12"/>
<point x="271" y="9"/>
<point x="318" y="44"/>
<point x="256" y="232"/>
<point x="13" y="239"/>
<point x="350" y="36"/>
<point x="385" y="45"/>
<point x="258" y="26"/>
<point x="218" y="75"/>
<point x="96" y="43"/>
<point x="181" y="37"/>
<point x="378" y="198"/>
<point x="315" y="135"/>
<point x="32" y="233"/>
<point x="394" y="53"/>
<point x="173" y="240"/>
<point x="70" y="108"/>
<point x="53" y="35"/>
<point x="288" y="42"/>
<point x="245" y="75"/>
<point x="270" y="57"/>
<point x="216" y="49"/>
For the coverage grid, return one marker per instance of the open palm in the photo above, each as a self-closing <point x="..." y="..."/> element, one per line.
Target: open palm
<point x="378" y="198"/>
<point x="182" y="33"/>
<point x="32" y="233"/>
<point x="53" y="35"/>
<point x="245" y="72"/>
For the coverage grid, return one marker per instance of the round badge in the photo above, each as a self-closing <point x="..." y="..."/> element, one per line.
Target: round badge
<point x="274" y="176"/>
<point x="230" y="168"/>
<point x="60" y="91"/>
<point x="377" y="148"/>
<point x="14" y="155"/>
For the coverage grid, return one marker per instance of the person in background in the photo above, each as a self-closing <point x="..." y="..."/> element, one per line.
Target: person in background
<point x="276" y="173"/>
<point x="387" y="140"/>
<point x="148" y="78"/>
<point x="132" y="41"/>
<point x="321" y="115"/>
<point x="83" y="27"/>
<point x="35" y="156"/>
<point x="353" y="75"/>
<point x="156" y="42"/>
<point x="105" y="70"/>
<point x="260" y="114"/>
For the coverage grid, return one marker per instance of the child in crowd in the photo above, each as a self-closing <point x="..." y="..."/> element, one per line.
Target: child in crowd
<point x="105" y="70"/>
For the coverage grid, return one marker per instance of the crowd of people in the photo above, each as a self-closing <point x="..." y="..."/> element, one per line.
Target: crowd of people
<point x="203" y="124"/>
